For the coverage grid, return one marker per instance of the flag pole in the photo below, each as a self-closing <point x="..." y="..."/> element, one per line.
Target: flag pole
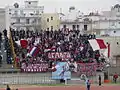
<point x="13" y="50"/>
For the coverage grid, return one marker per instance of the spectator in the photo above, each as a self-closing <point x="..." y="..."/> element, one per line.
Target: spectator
<point x="0" y="60"/>
<point x="115" y="77"/>
<point x="55" y="41"/>
<point x="8" y="88"/>
<point x="88" y="84"/>
<point x="99" y="80"/>
<point x="0" y="39"/>
<point x="5" y="33"/>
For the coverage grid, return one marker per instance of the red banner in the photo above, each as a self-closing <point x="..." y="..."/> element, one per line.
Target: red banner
<point x="60" y="55"/>
<point x="41" y="67"/>
<point x="88" y="69"/>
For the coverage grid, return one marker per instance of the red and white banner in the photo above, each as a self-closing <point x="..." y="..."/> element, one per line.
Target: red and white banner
<point x="61" y="55"/>
<point x="97" y="44"/>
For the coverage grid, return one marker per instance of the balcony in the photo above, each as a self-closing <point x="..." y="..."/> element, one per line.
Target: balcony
<point x="40" y="8"/>
<point x="25" y="24"/>
<point x="26" y="16"/>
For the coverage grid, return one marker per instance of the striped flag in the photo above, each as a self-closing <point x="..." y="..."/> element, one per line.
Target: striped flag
<point x="50" y="49"/>
<point x="97" y="44"/>
<point x="33" y="51"/>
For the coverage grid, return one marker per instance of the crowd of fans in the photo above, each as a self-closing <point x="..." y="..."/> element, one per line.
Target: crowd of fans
<point x="62" y="41"/>
<point x="6" y="47"/>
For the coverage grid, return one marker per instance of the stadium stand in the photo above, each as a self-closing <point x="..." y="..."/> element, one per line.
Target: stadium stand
<point x="33" y="50"/>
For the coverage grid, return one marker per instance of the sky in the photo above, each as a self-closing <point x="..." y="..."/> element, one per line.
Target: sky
<point x="84" y="6"/>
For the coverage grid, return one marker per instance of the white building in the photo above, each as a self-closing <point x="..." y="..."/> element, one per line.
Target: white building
<point x="105" y="23"/>
<point x="110" y="21"/>
<point x="24" y="17"/>
<point x="71" y="20"/>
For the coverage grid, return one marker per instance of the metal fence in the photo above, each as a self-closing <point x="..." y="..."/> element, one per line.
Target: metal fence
<point x="42" y="78"/>
<point x="114" y="69"/>
<point x="26" y="79"/>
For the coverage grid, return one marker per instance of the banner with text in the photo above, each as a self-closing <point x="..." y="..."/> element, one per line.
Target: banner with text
<point x="59" y="55"/>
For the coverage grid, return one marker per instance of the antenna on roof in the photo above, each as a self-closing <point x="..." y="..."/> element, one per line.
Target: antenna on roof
<point x="60" y="10"/>
<point x="55" y="10"/>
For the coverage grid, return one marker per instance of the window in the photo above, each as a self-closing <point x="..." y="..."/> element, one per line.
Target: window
<point x="60" y="18"/>
<point x="113" y="24"/>
<point x="51" y="27"/>
<point x="27" y="21"/>
<point x="35" y="20"/>
<point x="9" y="9"/>
<point x="85" y="27"/>
<point x="64" y="26"/>
<point x="18" y="20"/>
<point x="114" y="31"/>
<point x="16" y="12"/>
<point x="47" y="19"/>
<point x="118" y="9"/>
<point x="51" y="18"/>
<point x="29" y="2"/>
<point x="117" y="43"/>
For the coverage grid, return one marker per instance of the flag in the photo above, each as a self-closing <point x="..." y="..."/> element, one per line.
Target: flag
<point x="23" y="43"/>
<point x="53" y="48"/>
<point x="50" y="49"/>
<point x="97" y="44"/>
<point x="47" y="50"/>
<point x="33" y="51"/>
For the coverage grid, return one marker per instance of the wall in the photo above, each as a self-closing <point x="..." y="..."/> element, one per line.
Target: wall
<point x="2" y="19"/>
<point x="29" y="79"/>
<point x="114" y="48"/>
<point x="55" y="22"/>
<point x="31" y="4"/>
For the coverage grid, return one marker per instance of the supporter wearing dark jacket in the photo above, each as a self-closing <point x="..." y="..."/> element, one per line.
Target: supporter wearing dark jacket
<point x="8" y="88"/>
<point x="5" y="33"/>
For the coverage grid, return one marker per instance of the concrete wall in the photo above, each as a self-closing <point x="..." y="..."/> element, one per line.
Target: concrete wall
<point x="114" y="48"/>
<point x="19" y="78"/>
<point x="2" y="19"/>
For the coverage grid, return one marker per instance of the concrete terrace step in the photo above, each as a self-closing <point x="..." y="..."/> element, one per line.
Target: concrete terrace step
<point x="75" y="81"/>
<point x="6" y="66"/>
